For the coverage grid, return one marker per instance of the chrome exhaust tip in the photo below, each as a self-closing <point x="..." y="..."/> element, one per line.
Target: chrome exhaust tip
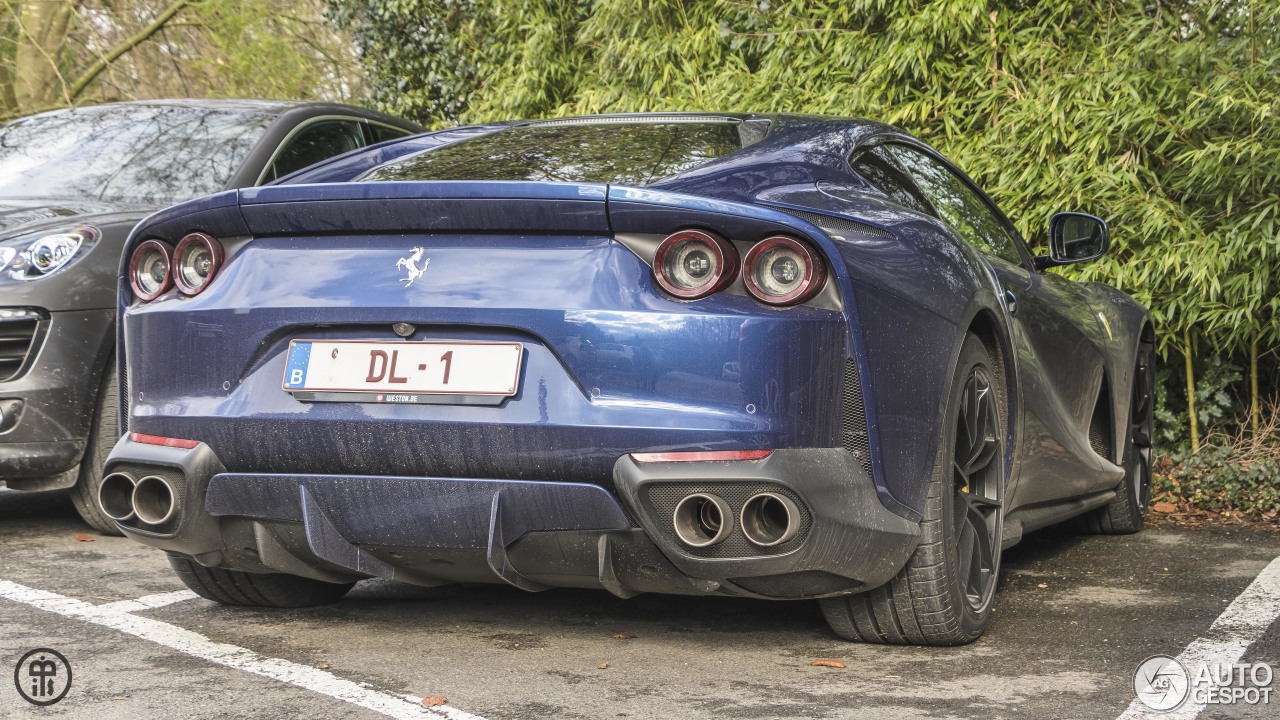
<point x="115" y="496"/>
<point x="770" y="519"/>
<point x="701" y="520"/>
<point x="154" y="500"/>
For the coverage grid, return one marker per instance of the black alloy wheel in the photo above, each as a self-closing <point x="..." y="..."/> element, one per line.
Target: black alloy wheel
<point x="944" y="594"/>
<point x="978" y="483"/>
<point x="1141" y="423"/>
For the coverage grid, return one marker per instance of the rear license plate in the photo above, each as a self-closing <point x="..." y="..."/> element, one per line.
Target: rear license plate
<point x="403" y="372"/>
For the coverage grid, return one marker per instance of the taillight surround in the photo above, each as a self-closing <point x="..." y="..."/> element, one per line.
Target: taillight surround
<point x="771" y="255"/>
<point x="160" y="282"/>
<point x="686" y="252"/>
<point x="196" y="261"/>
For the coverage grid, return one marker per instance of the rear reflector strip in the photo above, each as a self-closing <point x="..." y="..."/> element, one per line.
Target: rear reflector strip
<point x="699" y="456"/>
<point x="166" y="442"/>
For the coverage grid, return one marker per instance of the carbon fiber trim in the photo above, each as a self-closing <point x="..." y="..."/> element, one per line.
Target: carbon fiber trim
<point x="837" y="225"/>
<point x="806" y="583"/>
<point x="853" y="422"/>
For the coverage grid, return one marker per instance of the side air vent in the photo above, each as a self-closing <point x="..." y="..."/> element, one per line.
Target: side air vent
<point x="18" y="331"/>
<point x="854" y="417"/>
<point x="124" y="397"/>
<point x="838" y="226"/>
<point x="1100" y="429"/>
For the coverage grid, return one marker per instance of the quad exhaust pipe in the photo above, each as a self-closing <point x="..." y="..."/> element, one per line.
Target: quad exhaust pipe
<point x="115" y="496"/>
<point x="770" y="519"/>
<point x="702" y="519"/>
<point x="152" y="500"/>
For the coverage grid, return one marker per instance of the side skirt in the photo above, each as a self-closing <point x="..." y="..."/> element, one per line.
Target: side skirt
<point x="1033" y="517"/>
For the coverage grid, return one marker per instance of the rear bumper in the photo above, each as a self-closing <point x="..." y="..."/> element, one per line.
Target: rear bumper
<point x="529" y="534"/>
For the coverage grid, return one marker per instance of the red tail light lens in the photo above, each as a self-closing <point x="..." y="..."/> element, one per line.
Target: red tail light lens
<point x="701" y="456"/>
<point x="784" y="271"/>
<point x="163" y="441"/>
<point x="149" y="269"/>
<point x="195" y="262"/>
<point x="692" y="264"/>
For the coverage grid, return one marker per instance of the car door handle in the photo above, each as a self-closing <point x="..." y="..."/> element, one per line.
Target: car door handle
<point x="1011" y="302"/>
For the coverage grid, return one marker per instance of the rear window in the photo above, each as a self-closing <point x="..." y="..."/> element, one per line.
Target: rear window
<point x="622" y="153"/>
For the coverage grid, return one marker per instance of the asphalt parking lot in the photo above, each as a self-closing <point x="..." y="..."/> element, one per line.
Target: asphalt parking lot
<point x="1074" y="618"/>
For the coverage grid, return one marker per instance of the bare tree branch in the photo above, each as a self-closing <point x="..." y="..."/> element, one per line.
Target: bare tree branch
<point x="88" y="76"/>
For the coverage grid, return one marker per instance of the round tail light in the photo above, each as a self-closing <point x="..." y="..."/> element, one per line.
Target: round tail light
<point x="692" y="264"/>
<point x="195" y="261"/>
<point x="149" y="269"/>
<point x="783" y="271"/>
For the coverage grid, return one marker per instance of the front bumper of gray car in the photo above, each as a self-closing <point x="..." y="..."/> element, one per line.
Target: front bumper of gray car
<point x="50" y="371"/>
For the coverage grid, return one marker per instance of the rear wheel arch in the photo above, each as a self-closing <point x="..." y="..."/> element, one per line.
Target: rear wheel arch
<point x="995" y="338"/>
<point x="991" y="326"/>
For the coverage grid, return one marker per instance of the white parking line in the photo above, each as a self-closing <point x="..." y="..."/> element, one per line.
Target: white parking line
<point x="1238" y="627"/>
<point x="117" y="616"/>
<point x="147" y="602"/>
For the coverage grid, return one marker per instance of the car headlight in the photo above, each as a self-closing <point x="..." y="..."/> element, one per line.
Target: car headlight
<point x="38" y="255"/>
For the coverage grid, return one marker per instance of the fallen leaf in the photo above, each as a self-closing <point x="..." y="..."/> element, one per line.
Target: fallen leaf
<point x="81" y="537"/>
<point x="1164" y="507"/>
<point x="322" y="666"/>
<point x="603" y="666"/>
<point x="826" y="662"/>
<point x="1042" y="585"/>
<point x="623" y="636"/>
<point x="434" y="700"/>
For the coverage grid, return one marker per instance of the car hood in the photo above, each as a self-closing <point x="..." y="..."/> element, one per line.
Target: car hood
<point x="19" y="215"/>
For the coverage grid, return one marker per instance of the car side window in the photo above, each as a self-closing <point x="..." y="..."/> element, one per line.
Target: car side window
<point x="314" y="143"/>
<point x="383" y="133"/>
<point x="959" y="205"/>
<point x="877" y="168"/>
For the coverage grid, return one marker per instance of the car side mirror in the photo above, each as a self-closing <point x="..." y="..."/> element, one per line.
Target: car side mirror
<point x="1074" y="237"/>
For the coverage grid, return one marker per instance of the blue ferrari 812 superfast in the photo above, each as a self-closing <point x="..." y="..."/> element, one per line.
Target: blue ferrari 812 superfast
<point x="771" y="356"/>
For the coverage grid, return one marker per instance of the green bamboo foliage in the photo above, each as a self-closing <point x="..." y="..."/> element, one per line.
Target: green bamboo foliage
<point x="1157" y="115"/>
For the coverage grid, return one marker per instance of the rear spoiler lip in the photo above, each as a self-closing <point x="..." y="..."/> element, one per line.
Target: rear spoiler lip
<point x="261" y="210"/>
<point x="424" y="190"/>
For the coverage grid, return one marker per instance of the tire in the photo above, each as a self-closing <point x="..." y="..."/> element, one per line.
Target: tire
<point x="944" y="594"/>
<point x="233" y="587"/>
<point x="102" y="437"/>
<point x="1125" y="514"/>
